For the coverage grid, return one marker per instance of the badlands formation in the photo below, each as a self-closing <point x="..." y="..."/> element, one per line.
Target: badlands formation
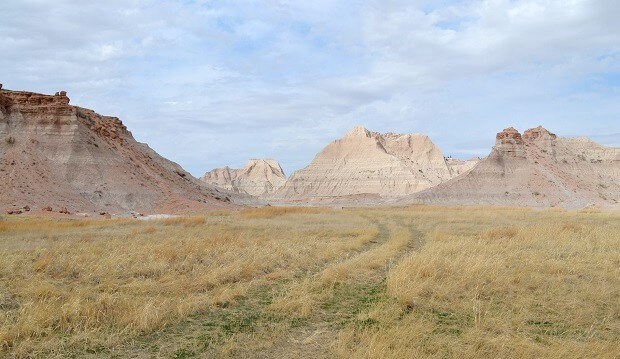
<point x="258" y="177"/>
<point x="59" y="157"/>
<point x="537" y="169"/>
<point x="371" y="165"/>
<point x="68" y="159"/>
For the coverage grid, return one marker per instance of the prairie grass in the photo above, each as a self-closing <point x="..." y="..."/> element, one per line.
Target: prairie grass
<point x="311" y="282"/>
<point x="68" y="283"/>
<point x="270" y="212"/>
<point x="547" y="286"/>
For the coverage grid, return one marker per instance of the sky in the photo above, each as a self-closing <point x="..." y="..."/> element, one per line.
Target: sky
<point x="214" y="83"/>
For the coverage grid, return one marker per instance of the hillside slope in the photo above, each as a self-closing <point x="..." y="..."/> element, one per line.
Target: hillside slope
<point x="537" y="169"/>
<point x="56" y="155"/>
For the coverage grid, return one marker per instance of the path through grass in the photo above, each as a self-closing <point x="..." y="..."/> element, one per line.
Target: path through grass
<point x="296" y="283"/>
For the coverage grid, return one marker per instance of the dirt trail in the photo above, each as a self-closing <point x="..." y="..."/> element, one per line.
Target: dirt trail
<point x="289" y="334"/>
<point x="346" y="301"/>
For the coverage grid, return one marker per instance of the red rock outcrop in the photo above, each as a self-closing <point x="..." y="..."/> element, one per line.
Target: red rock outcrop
<point x="68" y="157"/>
<point x="509" y="142"/>
<point x="538" y="133"/>
<point x="509" y="135"/>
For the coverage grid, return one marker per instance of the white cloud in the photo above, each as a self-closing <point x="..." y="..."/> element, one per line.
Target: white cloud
<point x="211" y="83"/>
<point x="109" y="51"/>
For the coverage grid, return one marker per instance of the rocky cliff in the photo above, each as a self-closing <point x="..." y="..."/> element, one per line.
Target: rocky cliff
<point x="258" y="177"/>
<point x="66" y="157"/>
<point x="537" y="169"/>
<point x="366" y="162"/>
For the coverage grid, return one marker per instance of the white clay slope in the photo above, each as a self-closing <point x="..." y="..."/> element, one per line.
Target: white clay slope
<point x="365" y="162"/>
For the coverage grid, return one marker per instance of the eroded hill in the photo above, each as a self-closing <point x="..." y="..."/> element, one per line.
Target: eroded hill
<point x="538" y="169"/>
<point x="55" y="155"/>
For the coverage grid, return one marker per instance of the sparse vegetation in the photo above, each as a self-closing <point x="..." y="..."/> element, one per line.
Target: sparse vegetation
<point x="270" y="212"/>
<point x="310" y="282"/>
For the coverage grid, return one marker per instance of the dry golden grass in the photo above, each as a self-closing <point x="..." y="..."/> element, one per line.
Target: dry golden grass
<point x="302" y="298"/>
<point x="548" y="286"/>
<point x="71" y="283"/>
<point x="310" y="282"/>
<point x="270" y="212"/>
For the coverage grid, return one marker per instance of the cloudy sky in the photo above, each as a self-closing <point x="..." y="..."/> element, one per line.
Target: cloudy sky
<point x="213" y="83"/>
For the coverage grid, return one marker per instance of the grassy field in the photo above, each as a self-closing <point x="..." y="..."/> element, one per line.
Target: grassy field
<point x="416" y="282"/>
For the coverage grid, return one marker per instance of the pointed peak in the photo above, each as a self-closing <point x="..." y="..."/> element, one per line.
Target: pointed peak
<point x="358" y="131"/>
<point x="262" y="161"/>
<point x="253" y="161"/>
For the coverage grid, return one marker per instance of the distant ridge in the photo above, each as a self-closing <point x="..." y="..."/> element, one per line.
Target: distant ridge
<point x="259" y="177"/>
